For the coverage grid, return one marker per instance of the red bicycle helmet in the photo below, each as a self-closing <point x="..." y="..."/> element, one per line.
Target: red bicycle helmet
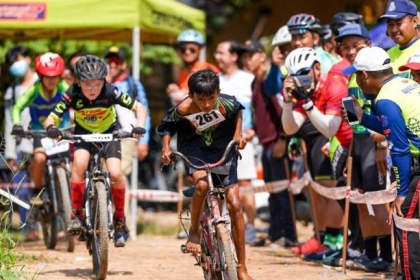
<point x="49" y="64"/>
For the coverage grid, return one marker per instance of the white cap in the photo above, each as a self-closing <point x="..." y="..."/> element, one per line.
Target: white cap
<point x="412" y="64"/>
<point x="282" y="36"/>
<point x="369" y="59"/>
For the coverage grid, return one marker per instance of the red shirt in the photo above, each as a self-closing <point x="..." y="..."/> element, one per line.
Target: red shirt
<point x="327" y="98"/>
<point x="186" y="72"/>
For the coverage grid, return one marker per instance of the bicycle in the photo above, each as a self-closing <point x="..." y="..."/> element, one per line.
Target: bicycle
<point x="97" y="201"/>
<point x="218" y="255"/>
<point x="55" y="208"/>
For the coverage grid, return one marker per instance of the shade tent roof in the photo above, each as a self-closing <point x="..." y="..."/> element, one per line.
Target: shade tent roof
<point x="160" y="21"/>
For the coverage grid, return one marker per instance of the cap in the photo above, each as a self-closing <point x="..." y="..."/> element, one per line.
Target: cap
<point x="396" y="9"/>
<point x="412" y="64"/>
<point x="353" y="29"/>
<point x="369" y="59"/>
<point x="115" y="51"/>
<point x="252" y="46"/>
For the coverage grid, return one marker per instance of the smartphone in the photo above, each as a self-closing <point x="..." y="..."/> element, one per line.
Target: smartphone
<point x="351" y="110"/>
<point x="305" y="80"/>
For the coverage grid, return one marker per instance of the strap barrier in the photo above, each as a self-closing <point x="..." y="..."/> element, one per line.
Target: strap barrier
<point x="406" y="224"/>
<point x="154" y="195"/>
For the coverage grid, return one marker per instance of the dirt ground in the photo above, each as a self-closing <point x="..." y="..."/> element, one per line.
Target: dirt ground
<point x="159" y="257"/>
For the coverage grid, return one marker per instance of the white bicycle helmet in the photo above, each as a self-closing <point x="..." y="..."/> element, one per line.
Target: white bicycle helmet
<point x="191" y="36"/>
<point x="301" y="59"/>
<point x="300" y="23"/>
<point x="282" y="36"/>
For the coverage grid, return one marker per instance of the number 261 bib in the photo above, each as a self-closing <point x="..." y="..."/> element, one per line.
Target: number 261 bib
<point x="204" y="120"/>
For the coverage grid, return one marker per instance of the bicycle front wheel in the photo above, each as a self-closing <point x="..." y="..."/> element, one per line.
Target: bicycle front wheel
<point x="100" y="236"/>
<point x="48" y="220"/>
<point x="64" y="201"/>
<point x="227" y="252"/>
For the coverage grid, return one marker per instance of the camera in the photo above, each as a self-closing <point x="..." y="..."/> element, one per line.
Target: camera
<point x="302" y="91"/>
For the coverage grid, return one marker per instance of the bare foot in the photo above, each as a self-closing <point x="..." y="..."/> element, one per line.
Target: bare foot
<point x="193" y="244"/>
<point x="243" y="274"/>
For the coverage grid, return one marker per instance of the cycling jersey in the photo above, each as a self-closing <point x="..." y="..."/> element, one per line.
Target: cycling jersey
<point x="39" y="105"/>
<point x="397" y="105"/>
<point x="210" y="142"/>
<point x="399" y="56"/>
<point x="95" y="116"/>
<point x="186" y="72"/>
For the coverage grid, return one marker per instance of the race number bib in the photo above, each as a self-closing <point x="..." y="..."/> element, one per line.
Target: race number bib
<point x="53" y="147"/>
<point x="205" y="120"/>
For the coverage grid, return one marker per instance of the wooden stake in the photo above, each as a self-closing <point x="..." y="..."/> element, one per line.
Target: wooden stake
<point x="346" y="214"/>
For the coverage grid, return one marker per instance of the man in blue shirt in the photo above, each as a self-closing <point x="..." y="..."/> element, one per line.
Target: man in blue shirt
<point x="397" y="102"/>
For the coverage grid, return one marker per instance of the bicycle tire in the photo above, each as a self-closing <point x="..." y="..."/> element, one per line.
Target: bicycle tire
<point x="100" y="236"/>
<point x="48" y="221"/>
<point x="65" y="202"/>
<point x="207" y="261"/>
<point x="226" y="252"/>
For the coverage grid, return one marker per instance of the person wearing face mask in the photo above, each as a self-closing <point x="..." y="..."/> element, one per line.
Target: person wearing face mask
<point x="18" y="59"/>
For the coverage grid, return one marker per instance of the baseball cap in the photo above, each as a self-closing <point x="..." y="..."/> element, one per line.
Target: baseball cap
<point x="115" y="51"/>
<point x="412" y="64"/>
<point x="252" y="46"/>
<point x="353" y="29"/>
<point x="369" y="59"/>
<point x="396" y="9"/>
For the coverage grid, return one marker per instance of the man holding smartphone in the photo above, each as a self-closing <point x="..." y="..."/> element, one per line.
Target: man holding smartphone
<point x="396" y="102"/>
<point x="369" y="160"/>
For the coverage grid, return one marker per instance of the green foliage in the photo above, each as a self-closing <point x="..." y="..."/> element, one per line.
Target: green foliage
<point x="8" y="255"/>
<point x="150" y="53"/>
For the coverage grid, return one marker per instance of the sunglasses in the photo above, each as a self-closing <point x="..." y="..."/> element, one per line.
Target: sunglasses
<point x="190" y="49"/>
<point x="285" y="48"/>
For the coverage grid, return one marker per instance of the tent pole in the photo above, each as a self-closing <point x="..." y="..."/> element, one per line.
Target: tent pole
<point x="134" y="173"/>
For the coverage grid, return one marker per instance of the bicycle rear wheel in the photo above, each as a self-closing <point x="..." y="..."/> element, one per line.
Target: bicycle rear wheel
<point x="227" y="252"/>
<point x="100" y="236"/>
<point x="48" y="220"/>
<point x="64" y="201"/>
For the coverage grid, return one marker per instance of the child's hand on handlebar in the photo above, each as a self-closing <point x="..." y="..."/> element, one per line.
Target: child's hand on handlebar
<point x="241" y="141"/>
<point x="166" y="156"/>
<point x="137" y="132"/>
<point x="54" y="133"/>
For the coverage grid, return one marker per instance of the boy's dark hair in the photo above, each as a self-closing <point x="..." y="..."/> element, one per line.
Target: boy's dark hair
<point x="75" y="54"/>
<point x="13" y="53"/>
<point x="204" y="82"/>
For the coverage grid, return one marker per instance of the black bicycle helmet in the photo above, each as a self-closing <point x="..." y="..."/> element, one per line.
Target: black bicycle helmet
<point x="90" y="67"/>
<point x="341" y="19"/>
<point x="325" y="34"/>
<point x="300" y="23"/>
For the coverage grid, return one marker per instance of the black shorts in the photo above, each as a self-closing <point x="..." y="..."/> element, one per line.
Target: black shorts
<point x="365" y="175"/>
<point x="111" y="149"/>
<point x="339" y="160"/>
<point x="37" y="141"/>
<point x="319" y="164"/>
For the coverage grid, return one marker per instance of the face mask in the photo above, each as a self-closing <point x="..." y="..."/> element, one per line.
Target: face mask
<point x="19" y="68"/>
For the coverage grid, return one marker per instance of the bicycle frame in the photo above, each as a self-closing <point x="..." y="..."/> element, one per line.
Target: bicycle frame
<point x="92" y="175"/>
<point x="215" y="213"/>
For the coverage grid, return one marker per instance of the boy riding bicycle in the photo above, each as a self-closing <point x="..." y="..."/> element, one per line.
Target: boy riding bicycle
<point x="206" y="121"/>
<point x="41" y="98"/>
<point x="93" y="99"/>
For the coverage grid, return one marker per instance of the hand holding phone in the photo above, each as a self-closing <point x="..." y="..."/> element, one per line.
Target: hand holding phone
<point x="351" y="110"/>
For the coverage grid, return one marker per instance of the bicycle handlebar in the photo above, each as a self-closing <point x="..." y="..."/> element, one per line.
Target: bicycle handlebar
<point x="206" y="166"/>
<point x="100" y="137"/>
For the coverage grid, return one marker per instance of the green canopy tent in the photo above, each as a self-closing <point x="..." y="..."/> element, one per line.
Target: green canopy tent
<point x="147" y="21"/>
